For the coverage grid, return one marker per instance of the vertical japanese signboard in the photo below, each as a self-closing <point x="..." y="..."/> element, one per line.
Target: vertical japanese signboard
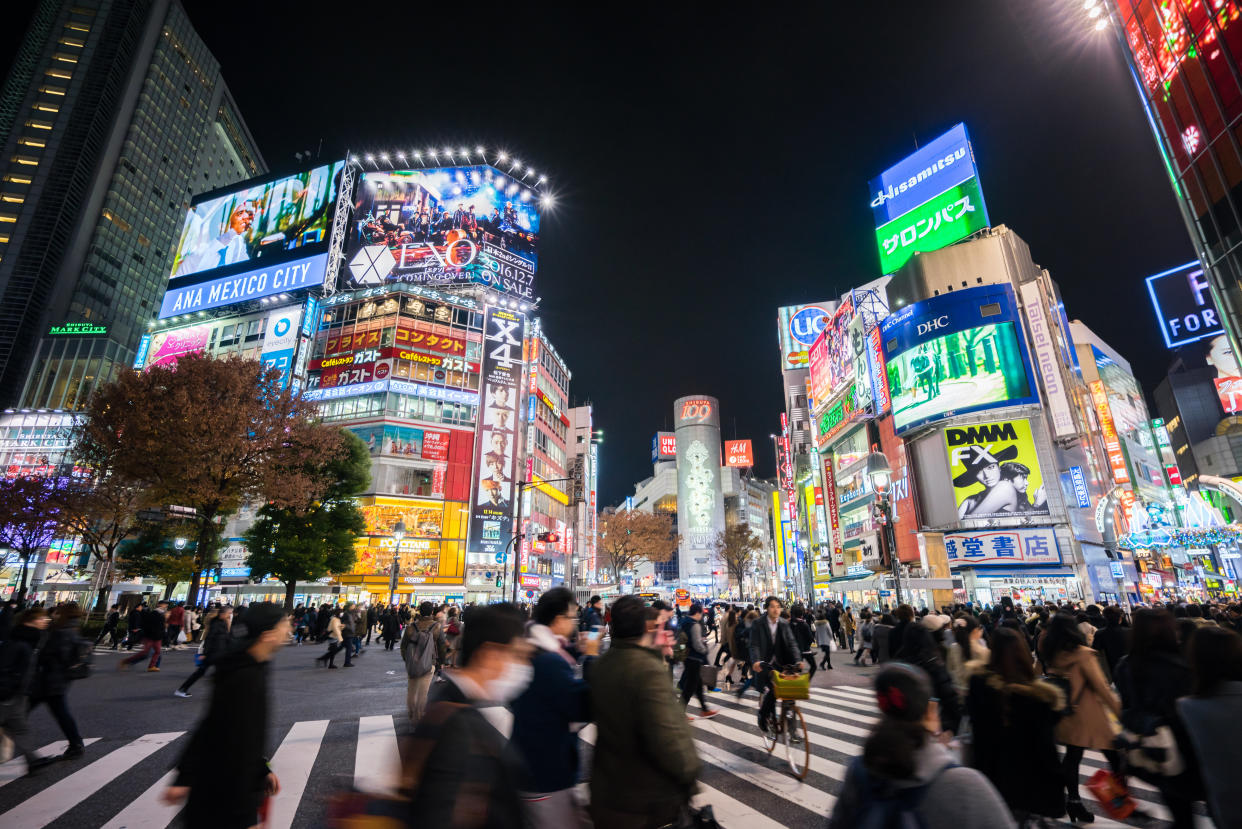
<point x="1108" y="429"/>
<point x="491" y="520"/>
<point x="280" y="338"/>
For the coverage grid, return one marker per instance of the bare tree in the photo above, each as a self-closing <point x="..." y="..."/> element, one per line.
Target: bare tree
<point x="737" y="546"/>
<point x="628" y="538"/>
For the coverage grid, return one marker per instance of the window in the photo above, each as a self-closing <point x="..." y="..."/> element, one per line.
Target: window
<point x="12" y="198"/>
<point x="31" y="142"/>
<point x="63" y="58"/>
<point x="39" y="125"/>
<point x="76" y="42"/>
<point x="77" y="27"/>
<point x="7" y="218"/>
<point x="52" y="90"/>
<point x="63" y="74"/>
<point x="18" y="179"/>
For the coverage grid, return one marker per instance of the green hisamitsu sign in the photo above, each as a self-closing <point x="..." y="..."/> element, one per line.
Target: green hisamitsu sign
<point x="78" y="329"/>
<point x="949" y="217"/>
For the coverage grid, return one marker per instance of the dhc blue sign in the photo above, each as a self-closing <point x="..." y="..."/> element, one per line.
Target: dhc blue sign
<point x="286" y="277"/>
<point x="1081" y="494"/>
<point x="942" y="163"/>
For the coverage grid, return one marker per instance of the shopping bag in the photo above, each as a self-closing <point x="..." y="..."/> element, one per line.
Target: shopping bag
<point x="708" y="674"/>
<point x="1112" y="794"/>
<point x="181" y="637"/>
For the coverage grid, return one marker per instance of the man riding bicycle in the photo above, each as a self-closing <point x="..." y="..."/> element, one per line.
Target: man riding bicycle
<point x="772" y="647"/>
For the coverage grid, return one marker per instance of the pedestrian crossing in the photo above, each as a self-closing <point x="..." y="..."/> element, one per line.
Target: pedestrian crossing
<point x="119" y="783"/>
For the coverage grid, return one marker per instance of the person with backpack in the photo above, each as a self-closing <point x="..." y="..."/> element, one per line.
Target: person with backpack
<point x="906" y="776"/>
<point x="866" y="631"/>
<point x="215" y="644"/>
<point x="420" y="650"/>
<point x="804" y="636"/>
<point x="549" y="713"/>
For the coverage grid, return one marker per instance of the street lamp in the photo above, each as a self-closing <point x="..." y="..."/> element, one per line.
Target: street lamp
<point x="179" y="543"/>
<point x="398" y="533"/>
<point x="881" y="476"/>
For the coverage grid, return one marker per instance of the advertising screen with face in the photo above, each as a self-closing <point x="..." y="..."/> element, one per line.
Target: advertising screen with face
<point x="444" y="226"/>
<point x="995" y="470"/>
<point x="261" y="239"/>
<point x="956" y="354"/>
<point x="492" y="515"/>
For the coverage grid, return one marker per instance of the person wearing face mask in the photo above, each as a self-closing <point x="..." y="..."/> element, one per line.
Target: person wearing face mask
<point x="465" y="771"/>
<point x="644" y="766"/>
<point x="549" y="713"/>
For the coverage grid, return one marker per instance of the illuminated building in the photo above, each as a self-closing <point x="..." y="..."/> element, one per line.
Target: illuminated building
<point x="584" y="451"/>
<point x="1185" y="55"/>
<point x="113" y="115"/>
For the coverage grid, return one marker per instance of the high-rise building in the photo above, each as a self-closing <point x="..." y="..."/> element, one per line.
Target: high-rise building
<point x="1184" y="55"/>
<point x="112" y="116"/>
<point x="585" y="472"/>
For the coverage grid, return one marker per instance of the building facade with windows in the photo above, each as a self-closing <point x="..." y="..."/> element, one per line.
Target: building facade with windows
<point x="113" y="115"/>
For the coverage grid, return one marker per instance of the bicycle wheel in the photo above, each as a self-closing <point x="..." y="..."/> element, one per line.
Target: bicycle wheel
<point x="797" y="742"/>
<point x="769" y="736"/>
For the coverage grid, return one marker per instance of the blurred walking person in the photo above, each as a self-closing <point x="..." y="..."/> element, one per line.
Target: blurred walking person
<point x="152" y="625"/>
<point x="223" y="776"/>
<point x="215" y="645"/>
<point x="19" y="655"/>
<point x="109" y="626"/>
<point x="421" y="648"/>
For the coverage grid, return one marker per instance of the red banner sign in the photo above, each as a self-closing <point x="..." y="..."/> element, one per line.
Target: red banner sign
<point x="739" y="453"/>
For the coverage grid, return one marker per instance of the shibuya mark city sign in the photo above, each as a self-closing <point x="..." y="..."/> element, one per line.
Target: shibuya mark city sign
<point x="928" y="200"/>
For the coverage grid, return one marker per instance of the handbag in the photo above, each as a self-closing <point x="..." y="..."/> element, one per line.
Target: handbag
<point x="181" y="640"/>
<point x="1112" y="794"/>
<point x="1150" y="747"/>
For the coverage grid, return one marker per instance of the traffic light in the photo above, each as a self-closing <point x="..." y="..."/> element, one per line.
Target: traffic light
<point x="550" y="538"/>
<point x="500" y="581"/>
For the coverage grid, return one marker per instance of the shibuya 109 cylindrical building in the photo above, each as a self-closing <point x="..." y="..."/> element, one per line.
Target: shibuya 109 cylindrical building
<point x="700" y="501"/>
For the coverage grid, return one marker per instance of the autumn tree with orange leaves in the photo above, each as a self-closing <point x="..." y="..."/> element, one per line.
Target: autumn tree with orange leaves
<point x="212" y="435"/>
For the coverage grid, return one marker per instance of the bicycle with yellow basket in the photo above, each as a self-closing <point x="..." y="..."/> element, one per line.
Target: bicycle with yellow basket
<point x="786" y="723"/>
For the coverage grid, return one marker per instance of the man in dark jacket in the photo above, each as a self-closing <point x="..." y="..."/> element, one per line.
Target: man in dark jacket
<point x="804" y="636"/>
<point x="152" y="638"/>
<point x="215" y="645"/>
<point x="593" y="616"/>
<point x="109" y="627"/>
<point x="547" y="714"/>
<point x="644" y="765"/>
<point x="468" y="773"/>
<point x="696" y="658"/>
<point x="772" y="647"/>
<point x="1113" y="641"/>
<point x="133" y="626"/>
<point x="224" y="769"/>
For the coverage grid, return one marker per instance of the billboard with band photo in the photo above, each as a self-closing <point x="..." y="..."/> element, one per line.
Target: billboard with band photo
<point x="444" y="226"/>
<point x="257" y="239"/>
<point x="995" y="470"/>
<point x="953" y="354"/>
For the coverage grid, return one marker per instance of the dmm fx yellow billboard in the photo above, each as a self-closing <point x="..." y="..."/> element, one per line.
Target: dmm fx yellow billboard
<point x="995" y="470"/>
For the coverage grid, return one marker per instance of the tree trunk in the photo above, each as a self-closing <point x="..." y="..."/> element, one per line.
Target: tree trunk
<point x="290" y="586"/>
<point x="101" y="599"/>
<point x="191" y="598"/>
<point x="169" y="586"/>
<point x="21" y="590"/>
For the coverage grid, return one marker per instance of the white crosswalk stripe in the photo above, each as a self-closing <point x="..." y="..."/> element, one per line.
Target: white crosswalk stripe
<point x="16" y="767"/>
<point x="745" y="785"/>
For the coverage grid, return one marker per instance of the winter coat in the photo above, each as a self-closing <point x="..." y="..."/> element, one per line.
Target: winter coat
<point x="225" y="762"/>
<point x="1091" y="699"/>
<point x="802" y="634"/>
<point x="823" y="633"/>
<point x="215" y="640"/>
<point x="545" y="712"/>
<point x="865" y="630"/>
<point x="1214" y="724"/>
<point x="1113" y="642"/>
<point x="644" y="759"/>
<point x="153" y="624"/>
<point x="176" y="616"/>
<point x="335" y="631"/>
<point x="696" y="644"/>
<point x="848" y="623"/>
<point x="1008" y="717"/>
<point x="55" y="657"/>
<point x="1150" y="687"/>
<point x="726" y="634"/>
<point x="389" y="625"/>
<point x="956" y="798"/>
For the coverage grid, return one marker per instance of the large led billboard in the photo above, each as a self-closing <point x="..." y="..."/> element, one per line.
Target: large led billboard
<point x="797" y="327"/>
<point x="929" y="199"/>
<point x="444" y="226"/>
<point x="1184" y="305"/>
<point x="263" y="238"/>
<point x="995" y="470"/>
<point x="957" y="353"/>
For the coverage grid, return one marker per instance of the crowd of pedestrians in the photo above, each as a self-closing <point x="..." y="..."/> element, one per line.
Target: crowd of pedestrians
<point x="985" y="713"/>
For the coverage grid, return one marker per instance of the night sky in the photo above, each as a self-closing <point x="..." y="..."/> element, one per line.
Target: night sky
<point x="709" y="168"/>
